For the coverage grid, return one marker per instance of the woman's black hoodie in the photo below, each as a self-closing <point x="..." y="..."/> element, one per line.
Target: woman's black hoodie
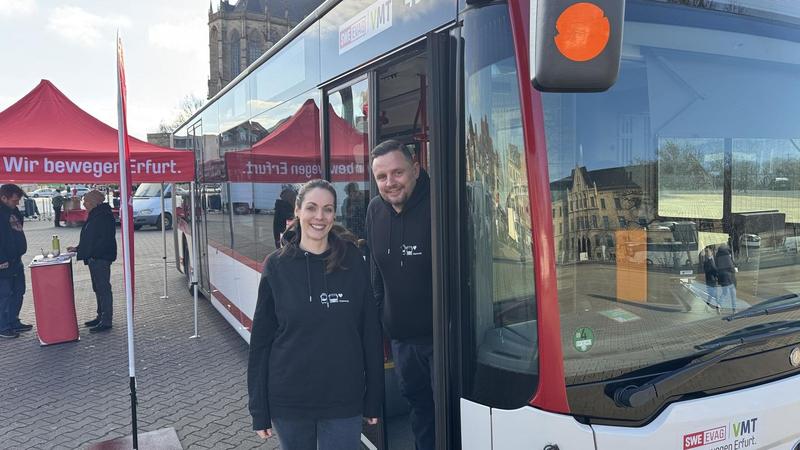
<point x="315" y="348"/>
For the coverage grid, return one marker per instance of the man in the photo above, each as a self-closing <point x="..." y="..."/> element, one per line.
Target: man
<point x="58" y="203"/>
<point x="12" y="273"/>
<point x="398" y="226"/>
<point x="97" y="248"/>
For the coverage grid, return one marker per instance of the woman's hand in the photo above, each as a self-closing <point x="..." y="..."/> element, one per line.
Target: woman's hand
<point x="372" y="420"/>
<point x="264" y="434"/>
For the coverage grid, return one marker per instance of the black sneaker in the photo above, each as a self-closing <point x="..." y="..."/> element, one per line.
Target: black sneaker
<point x="23" y="327"/>
<point x="99" y="328"/>
<point x="93" y="322"/>
<point x="9" y="334"/>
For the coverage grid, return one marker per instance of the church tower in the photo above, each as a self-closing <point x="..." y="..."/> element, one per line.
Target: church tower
<point x="238" y="34"/>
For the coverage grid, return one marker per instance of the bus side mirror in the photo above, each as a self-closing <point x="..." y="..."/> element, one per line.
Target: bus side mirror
<point x="575" y="45"/>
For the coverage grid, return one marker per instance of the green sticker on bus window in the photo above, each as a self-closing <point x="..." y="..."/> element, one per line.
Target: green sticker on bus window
<point x="583" y="339"/>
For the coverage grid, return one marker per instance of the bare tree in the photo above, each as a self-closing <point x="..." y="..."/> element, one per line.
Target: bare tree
<point x="186" y="108"/>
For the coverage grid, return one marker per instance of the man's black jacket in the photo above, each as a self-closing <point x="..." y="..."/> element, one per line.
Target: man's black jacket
<point x="98" y="238"/>
<point x="12" y="240"/>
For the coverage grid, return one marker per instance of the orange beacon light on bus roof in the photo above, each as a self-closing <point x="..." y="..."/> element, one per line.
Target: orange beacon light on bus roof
<point x="575" y="45"/>
<point x="583" y="31"/>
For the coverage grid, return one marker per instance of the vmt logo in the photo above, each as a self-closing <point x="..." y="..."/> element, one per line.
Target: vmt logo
<point x="744" y="427"/>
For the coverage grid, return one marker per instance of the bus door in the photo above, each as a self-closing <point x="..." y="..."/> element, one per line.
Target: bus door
<point x="386" y="103"/>
<point x="196" y="138"/>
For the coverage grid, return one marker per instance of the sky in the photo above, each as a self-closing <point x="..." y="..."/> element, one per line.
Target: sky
<point x="72" y="44"/>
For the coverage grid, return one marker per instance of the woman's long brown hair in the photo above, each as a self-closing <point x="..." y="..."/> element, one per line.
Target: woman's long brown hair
<point x="339" y="237"/>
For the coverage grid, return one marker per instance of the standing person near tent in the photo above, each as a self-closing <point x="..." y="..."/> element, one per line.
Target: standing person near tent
<point x="58" y="203"/>
<point x="398" y="228"/>
<point x="12" y="272"/>
<point x="315" y="300"/>
<point x="97" y="249"/>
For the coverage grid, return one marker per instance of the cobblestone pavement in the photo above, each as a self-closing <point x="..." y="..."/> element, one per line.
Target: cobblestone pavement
<point x="74" y="394"/>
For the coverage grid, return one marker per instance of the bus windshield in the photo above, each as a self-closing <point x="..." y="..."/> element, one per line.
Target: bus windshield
<point x="676" y="194"/>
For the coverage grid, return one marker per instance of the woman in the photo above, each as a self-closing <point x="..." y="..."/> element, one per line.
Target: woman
<point x="712" y="282"/>
<point x="726" y="275"/>
<point x="316" y="360"/>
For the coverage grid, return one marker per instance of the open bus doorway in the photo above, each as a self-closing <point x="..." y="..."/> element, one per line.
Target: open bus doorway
<point x="386" y="103"/>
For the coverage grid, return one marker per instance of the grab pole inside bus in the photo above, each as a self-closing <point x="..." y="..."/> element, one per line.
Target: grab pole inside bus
<point x="164" y="238"/>
<point x="195" y="249"/>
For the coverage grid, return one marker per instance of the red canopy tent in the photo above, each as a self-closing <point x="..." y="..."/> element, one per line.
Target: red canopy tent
<point x="290" y="154"/>
<point x="45" y="137"/>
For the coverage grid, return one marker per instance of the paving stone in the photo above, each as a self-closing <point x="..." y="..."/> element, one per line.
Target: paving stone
<point x="74" y="394"/>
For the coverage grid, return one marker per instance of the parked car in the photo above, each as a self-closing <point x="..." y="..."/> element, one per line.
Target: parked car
<point x="750" y="241"/>
<point x="43" y="192"/>
<point x="147" y="206"/>
<point x="80" y="191"/>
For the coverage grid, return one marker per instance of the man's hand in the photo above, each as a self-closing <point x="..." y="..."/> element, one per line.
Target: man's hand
<point x="72" y="249"/>
<point x="264" y="434"/>
<point x="4" y="265"/>
<point x="372" y="420"/>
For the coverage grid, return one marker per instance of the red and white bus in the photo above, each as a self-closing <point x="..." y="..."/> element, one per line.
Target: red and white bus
<point x="552" y="330"/>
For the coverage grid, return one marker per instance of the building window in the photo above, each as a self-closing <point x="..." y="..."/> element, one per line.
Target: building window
<point x="593" y="202"/>
<point x="594" y="221"/>
<point x="235" y="53"/>
<point x="603" y="203"/>
<point x="617" y="203"/>
<point x="605" y="222"/>
<point x="622" y="222"/>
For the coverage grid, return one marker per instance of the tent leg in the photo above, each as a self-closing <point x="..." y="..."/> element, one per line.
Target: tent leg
<point x="164" y="238"/>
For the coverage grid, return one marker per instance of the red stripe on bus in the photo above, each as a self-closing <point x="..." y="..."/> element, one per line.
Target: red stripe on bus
<point x="233" y="309"/>
<point x="551" y="394"/>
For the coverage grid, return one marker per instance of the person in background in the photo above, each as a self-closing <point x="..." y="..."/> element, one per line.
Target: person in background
<point x="284" y="211"/>
<point x="58" y="203"/>
<point x="726" y="275"/>
<point x="315" y="300"/>
<point x="13" y="245"/>
<point x="97" y="249"/>
<point x="354" y="209"/>
<point x="399" y="238"/>
<point x="712" y="282"/>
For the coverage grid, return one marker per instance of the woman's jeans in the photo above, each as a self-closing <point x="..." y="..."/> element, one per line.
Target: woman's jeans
<point x="319" y="434"/>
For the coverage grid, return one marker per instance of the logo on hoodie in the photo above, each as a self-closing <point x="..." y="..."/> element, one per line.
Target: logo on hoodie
<point x="410" y="250"/>
<point x="329" y="299"/>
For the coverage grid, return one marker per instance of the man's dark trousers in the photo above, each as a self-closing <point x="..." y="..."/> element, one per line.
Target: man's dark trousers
<point x="12" y="291"/>
<point x="414" y="369"/>
<point x="57" y="214"/>
<point x="100" y="271"/>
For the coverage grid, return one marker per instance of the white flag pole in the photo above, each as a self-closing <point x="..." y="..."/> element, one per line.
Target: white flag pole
<point x="126" y="227"/>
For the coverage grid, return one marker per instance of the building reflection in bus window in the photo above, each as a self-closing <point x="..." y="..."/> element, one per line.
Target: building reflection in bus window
<point x="681" y="172"/>
<point x="502" y="365"/>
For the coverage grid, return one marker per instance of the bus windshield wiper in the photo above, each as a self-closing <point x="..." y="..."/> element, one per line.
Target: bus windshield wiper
<point x="782" y="303"/>
<point x="659" y="387"/>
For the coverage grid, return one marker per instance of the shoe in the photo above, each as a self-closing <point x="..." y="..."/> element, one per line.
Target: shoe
<point x="9" y="334"/>
<point x="99" y="328"/>
<point x="23" y="327"/>
<point x="92" y="323"/>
